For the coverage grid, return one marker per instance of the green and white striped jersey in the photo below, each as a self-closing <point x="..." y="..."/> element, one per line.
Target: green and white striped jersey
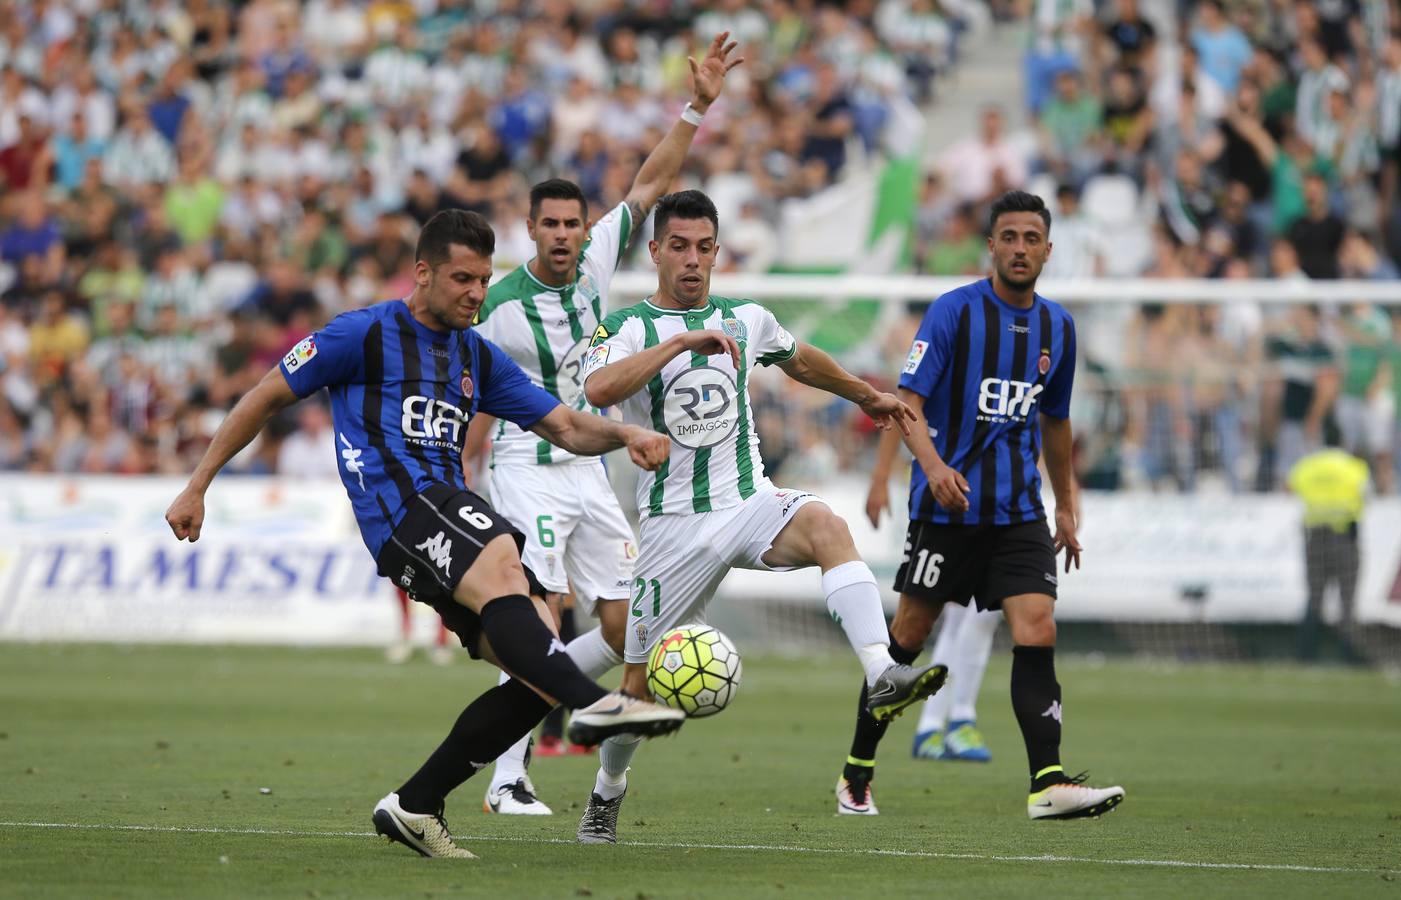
<point x="701" y="402"/>
<point x="546" y="330"/>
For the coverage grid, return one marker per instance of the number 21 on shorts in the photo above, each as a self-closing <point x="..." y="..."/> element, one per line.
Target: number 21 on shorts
<point x="639" y="586"/>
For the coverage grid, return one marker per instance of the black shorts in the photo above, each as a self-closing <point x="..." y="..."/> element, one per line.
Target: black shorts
<point x="986" y="563"/>
<point x="437" y="541"/>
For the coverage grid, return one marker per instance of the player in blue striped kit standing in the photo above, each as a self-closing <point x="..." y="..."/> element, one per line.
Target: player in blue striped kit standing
<point x="990" y="373"/>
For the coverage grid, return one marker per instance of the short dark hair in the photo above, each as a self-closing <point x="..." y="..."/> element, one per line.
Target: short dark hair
<point x="684" y="205"/>
<point x="454" y="226"/>
<point x="1015" y="202"/>
<point x="557" y="189"/>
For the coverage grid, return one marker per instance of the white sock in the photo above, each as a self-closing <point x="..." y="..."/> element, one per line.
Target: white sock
<point x="511" y="764"/>
<point x="614" y="756"/>
<point x="935" y="713"/>
<point x="592" y="654"/>
<point x="854" y="601"/>
<point x="974" y="648"/>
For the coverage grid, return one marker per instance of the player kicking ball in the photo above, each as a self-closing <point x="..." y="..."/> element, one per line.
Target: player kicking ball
<point x="405" y="378"/>
<point x="543" y="314"/>
<point x="990" y="373"/>
<point x="679" y="363"/>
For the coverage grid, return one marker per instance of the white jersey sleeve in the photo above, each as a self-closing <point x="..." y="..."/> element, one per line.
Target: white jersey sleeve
<point x="770" y="343"/>
<point x="608" y="240"/>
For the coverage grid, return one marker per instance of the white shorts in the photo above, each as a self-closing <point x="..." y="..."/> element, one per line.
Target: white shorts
<point x="575" y="532"/>
<point x="684" y="559"/>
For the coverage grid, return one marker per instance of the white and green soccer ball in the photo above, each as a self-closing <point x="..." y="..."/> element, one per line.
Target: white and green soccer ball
<point x="694" y="668"/>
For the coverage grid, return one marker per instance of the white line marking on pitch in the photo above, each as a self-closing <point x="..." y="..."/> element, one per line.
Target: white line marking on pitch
<point x="770" y="848"/>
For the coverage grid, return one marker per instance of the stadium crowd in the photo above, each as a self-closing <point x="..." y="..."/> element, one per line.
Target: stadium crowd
<point x="1251" y="138"/>
<point x="187" y="189"/>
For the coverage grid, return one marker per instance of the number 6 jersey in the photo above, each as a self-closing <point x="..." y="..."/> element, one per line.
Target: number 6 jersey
<point x="701" y="402"/>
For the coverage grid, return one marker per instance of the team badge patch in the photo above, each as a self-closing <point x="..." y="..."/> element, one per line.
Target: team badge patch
<point x="641" y="628"/>
<point x="303" y="353"/>
<point x="1043" y="365"/>
<point x="735" y="329"/>
<point x="466" y="385"/>
<point x="917" y="351"/>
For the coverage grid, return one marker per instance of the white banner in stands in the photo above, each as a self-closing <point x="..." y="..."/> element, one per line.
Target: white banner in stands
<point x="1151" y="557"/>
<point x="278" y="562"/>
<point x="282" y="562"/>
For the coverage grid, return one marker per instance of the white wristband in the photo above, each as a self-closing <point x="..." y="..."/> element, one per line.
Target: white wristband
<point x="692" y="115"/>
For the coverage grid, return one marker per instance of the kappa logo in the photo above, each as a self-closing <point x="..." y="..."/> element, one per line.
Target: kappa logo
<point x="1053" y="711"/>
<point x="438" y="548"/>
<point x="556" y="646"/>
<point x="353" y="465"/>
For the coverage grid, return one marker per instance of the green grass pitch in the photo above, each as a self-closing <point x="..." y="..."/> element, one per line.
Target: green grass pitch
<point x="1241" y="781"/>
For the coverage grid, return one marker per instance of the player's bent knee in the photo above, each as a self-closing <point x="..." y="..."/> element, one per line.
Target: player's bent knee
<point x="913" y="622"/>
<point x="829" y="534"/>
<point x="497" y="572"/>
<point x="1031" y="621"/>
<point x="613" y="619"/>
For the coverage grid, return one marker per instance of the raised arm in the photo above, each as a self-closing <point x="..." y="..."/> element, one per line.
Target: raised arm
<point x="615" y="382"/>
<point x="1056" y="449"/>
<point x="186" y="515"/>
<point x="816" y="368"/>
<point x="663" y="164"/>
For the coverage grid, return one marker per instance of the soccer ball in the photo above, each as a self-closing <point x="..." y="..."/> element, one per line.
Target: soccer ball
<point x="694" y="668"/>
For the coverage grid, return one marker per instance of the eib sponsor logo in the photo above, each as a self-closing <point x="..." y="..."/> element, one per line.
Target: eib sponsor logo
<point x="1006" y="398"/>
<point x="428" y="419"/>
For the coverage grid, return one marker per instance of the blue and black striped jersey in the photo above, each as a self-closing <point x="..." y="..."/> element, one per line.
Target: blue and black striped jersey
<point x="986" y="369"/>
<point x="401" y="397"/>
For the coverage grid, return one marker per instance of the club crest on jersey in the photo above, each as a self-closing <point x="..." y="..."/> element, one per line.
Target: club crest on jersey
<point x="641" y="628"/>
<point x="466" y="385"/>
<point x="1043" y="365"/>
<point x="301" y="354"/>
<point x="735" y="329"/>
<point x="917" y="351"/>
<point x="586" y="289"/>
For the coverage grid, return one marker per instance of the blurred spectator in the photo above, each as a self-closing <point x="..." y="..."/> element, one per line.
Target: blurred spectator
<point x="1069" y="126"/>
<point x="25" y="162"/>
<point x="1220" y="45"/>
<point x="960" y="249"/>
<point x="1317" y="236"/>
<point x="981" y="167"/>
<point x="73" y="150"/>
<point x="34" y="234"/>
<point x="310" y="451"/>
<point x="1309" y="372"/>
<point x="1364" y="409"/>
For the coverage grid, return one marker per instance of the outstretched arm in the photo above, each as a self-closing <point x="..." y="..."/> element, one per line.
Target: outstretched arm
<point x="590" y="435"/>
<point x="186" y="515"/>
<point x="664" y="162"/>
<point x="615" y="382"/>
<point x="816" y="368"/>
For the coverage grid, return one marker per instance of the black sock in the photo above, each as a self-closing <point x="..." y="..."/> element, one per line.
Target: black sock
<point x="554" y="721"/>
<point x="1036" y="702"/>
<point x="862" y="761"/>
<point x="485" y="729"/>
<point x="531" y="652"/>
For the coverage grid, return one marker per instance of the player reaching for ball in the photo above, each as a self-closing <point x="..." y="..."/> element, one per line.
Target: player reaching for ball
<point x="679" y="363"/>
<point x="990" y="363"/>
<point x="543" y="314"/>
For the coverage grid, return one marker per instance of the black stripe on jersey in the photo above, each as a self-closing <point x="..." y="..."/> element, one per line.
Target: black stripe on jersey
<point x="986" y="488"/>
<point x="373" y="407"/>
<point x="1016" y="456"/>
<point x="450" y="460"/>
<point x="413" y="377"/>
<point x="958" y="372"/>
